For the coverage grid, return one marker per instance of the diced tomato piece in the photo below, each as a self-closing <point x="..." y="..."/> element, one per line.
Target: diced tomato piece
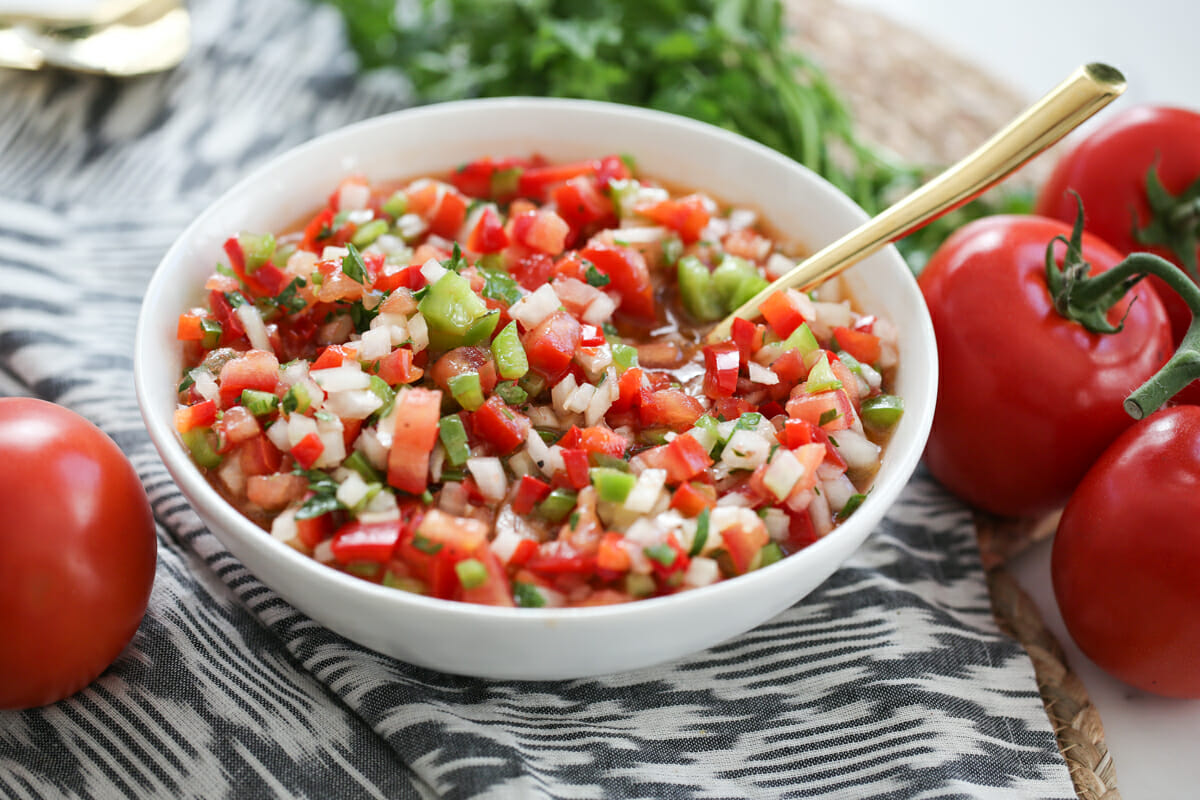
<point x="801" y="532"/>
<point x="530" y="492"/>
<point x="611" y="168"/>
<point x="551" y="346"/>
<point x="257" y="369"/>
<point x="721" y="364"/>
<point x="562" y="561"/>
<point x="830" y="410"/>
<point x="790" y="368"/>
<point x="308" y="450"/>
<point x="690" y="500"/>
<point x="611" y="555"/>
<point x="863" y="345"/>
<point x="488" y="235"/>
<point x="581" y="204"/>
<point x="542" y="230"/>
<point x="314" y="530"/>
<point x="495" y="590"/>
<point x="409" y="277"/>
<point x="464" y="361"/>
<point x="474" y="179"/>
<point x="748" y="244"/>
<point x="533" y="270"/>
<point x="504" y="428"/>
<point x="397" y="367"/>
<point x="671" y="408"/>
<point x="366" y="541"/>
<point x="259" y="456"/>
<point x="333" y="356"/>
<point x="742" y="545"/>
<point x="438" y="204"/>
<point x="231" y="324"/>
<point x="591" y="336"/>
<point x="782" y="313"/>
<point x="197" y="415"/>
<point x="848" y="380"/>
<point x="798" y="433"/>
<point x="733" y="407"/>
<point x="458" y="537"/>
<point x="576" y="463"/>
<point x="266" y="281"/>
<point x="748" y="337"/>
<point x="678" y="564"/>
<point x="685" y="458"/>
<point x="275" y="492"/>
<point x="417" y="413"/>
<point x="687" y="216"/>
<point x="630" y="390"/>
<point x="630" y="276"/>
<point x="601" y="439"/>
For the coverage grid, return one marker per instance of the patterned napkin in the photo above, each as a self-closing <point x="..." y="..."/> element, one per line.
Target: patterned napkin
<point x="891" y="680"/>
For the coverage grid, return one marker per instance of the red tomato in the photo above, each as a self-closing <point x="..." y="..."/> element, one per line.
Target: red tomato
<point x="1108" y="170"/>
<point x="1026" y="399"/>
<point x="630" y="277"/>
<point x="1127" y="556"/>
<point x="417" y="415"/>
<point x="79" y="552"/>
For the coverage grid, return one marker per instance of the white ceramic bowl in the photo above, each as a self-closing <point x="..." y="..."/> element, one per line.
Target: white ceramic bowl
<point x="533" y="643"/>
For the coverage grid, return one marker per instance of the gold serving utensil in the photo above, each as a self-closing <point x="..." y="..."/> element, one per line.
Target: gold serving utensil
<point x="1088" y="89"/>
<point x="151" y="37"/>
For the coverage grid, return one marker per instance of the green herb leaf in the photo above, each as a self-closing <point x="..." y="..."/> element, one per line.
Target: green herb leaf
<point x="353" y="266"/>
<point x="595" y="277"/>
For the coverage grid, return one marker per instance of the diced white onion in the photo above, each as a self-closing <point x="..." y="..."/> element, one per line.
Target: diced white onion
<point x="389" y="244"/>
<point x="418" y="331"/>
<point x="432" y="270"/>
<point x="574" y="292"/>
<point x="703" y="437"/>
<point x="577" y="403"/>
<point x="380" y="508"/>
<point x="295" y="372"/>
<point x="331" y="253"/>
<point x="600" y="403"/>
<point x="411" y="226"/>
<point x="784" y="472"/>
<point x="352" y="490"/>
<point x="331" y="433"/>
<point x="822" y="517"/>
<point x="283" y="527"/>
<point x="354" y="404"/>
<point x="640" y="234"/>
<point x="777" y="523"/>
<point x="740" y="218"/>
<point x="701" y="571"/>
<point x="453" y="499"/>
<point x="369" y="445"/>
<point x="520" y="464"/>
<point x="838" y="491"/>
<point x="762" y="375"/>
<point x="375" y="343"/>
<point x="277" y="434"/>
<point x="323" y="552"/>
<point x="856" y="450"/>
<point x="298" y="427"/>
<point x="301" y="264"/>
<point x="599" y="310"/>
<point x="353" y="196"/>
<point x="532" y="309"/>
<point x="745" y="450"/>
<point x="347" y="377"/>
<point x="204" y="383"/>
<point x="871" y="377"/>
<point x="562" y="393"/>
<point x="230" y="472"/>
<point x="594" y="360"/>
<point x="256" y="331"/>
<point x="645" y="493"/>
<point x="539" y="451"/>
<point x="778" y="264"/>
<point x="542" y="416"/>
<point x="489" y="476"/>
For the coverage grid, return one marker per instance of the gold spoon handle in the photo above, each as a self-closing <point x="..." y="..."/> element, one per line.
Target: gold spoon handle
<point x="1081" y="95"/>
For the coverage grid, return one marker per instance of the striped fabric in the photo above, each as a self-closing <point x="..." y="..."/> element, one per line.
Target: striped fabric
<point x="890" y="681"/>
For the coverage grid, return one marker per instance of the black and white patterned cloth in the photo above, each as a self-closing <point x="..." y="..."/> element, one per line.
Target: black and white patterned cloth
<point x="891" y="680"/>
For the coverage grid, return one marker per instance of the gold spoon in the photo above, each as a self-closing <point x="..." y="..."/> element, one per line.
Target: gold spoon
<point x="151" y="36"/>
<point x="1089" y="89"/>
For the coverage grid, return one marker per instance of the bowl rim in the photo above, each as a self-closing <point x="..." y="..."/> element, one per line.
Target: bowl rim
<point x="192" y="483"/>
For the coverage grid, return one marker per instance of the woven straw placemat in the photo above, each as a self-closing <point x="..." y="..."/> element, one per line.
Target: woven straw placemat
<point x="930" y="106"/>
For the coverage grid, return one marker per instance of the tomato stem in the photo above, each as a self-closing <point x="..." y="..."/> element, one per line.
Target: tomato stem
<point x="1088" y="299"/>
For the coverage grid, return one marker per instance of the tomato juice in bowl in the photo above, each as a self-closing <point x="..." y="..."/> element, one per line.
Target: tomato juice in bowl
<point x="532" y="642"/>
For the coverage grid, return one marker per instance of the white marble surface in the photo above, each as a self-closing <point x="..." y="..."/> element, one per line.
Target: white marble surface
<point x="1155" y="742"/>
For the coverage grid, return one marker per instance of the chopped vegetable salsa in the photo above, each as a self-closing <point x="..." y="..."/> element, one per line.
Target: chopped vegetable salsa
<point x="490" y="386"/>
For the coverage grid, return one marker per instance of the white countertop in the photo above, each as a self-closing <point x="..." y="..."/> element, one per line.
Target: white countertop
<point x="1154" y="742"/>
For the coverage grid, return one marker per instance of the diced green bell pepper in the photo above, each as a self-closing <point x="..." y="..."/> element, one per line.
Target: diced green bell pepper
<point x="882" y="411"/>
<point x="696" y="291"/>
<point x="624" y="355"/>
<point x="557" y="505"/>
<point x="454" y="438"/>
<point x="467" y="390"/>
<point x="257" y="249"/>
<point x="369" y="232"/>
<point x="821" y="377"/>
<point x="612" y="485"/>
<point x="455" y="314"/>
<point x="259" y="403"/>
<point x="203" y="453"/>
<point x="509" y="353"/>
<point x="396" y="205"/>
<point x="471" y="573"/>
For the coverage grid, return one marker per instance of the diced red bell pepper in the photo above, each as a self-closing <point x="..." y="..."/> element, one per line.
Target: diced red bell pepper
<point x="537" y="183"/>
<point x="575" y="462"/>
<point x="502" y="427"/>
<point x="474" y="179"/>
<point x="232" y="328"/>
<point x="333" y="356"/>
<point x="742" y="545"/>
<point x="439" y="204"/>
<point x="551" y="346"/>
<point x="308" y="450"/>
<point x="630" y="276"/>
<point x="197" y="415"/>
<point x="797" y="433"/>
<point x="611" y="168"/>
<point x="188" y="328"/>
<point x="690" y="500"/>
<point x="748" y="337"/>
<point x="671" y="408"/>
<point x="314" y="530"/>
<point x="721" y="365"/>
<point x="782" y="313"/>
<point x="591" y="336"/>
<point x="687" y="216"/>
<point x="527" y="548"/>
<point x="417" y="413"/>
<point x="733" y="407"/>
<point x="397" y="367"/>
<point x="266" y="281"/>
<point x="409" y="277"/>
<point x="863" y="345"/>
<point x="257" y="369"/>
<point x="685" y="458"/>
<point x="530" y="492"/>
<point x="801" y="532"/>
<point x="366" y="541"/>
<point x="488" y="235"/>
<point x="678" y="564"/>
